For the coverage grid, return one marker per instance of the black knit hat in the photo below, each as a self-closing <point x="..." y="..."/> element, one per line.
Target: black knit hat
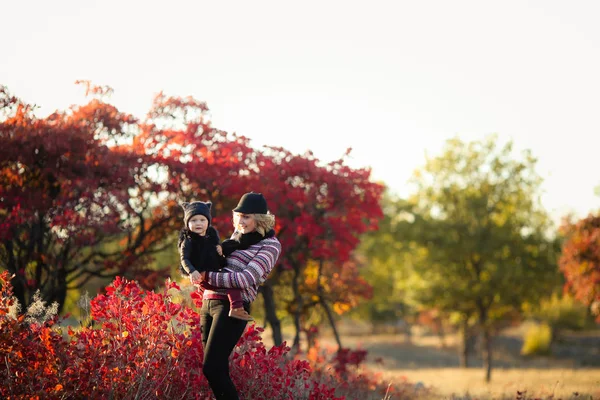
<point x="196" y="208"/>
<point x="252" y="203"/>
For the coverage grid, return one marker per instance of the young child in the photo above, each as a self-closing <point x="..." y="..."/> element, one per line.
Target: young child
<point x="199" y="250"/>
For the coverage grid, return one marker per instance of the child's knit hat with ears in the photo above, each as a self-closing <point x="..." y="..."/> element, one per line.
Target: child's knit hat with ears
<point x="196" y="208"/>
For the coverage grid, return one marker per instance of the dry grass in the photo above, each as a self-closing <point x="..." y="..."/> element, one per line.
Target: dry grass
<point x="542" y="383"/>
<point x="423" y="359"/>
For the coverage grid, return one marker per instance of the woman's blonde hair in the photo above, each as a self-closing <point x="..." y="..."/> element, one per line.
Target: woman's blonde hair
<point x="264" y="222"/>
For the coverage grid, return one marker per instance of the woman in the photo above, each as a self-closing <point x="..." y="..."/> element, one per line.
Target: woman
<point x="247" y="268"/>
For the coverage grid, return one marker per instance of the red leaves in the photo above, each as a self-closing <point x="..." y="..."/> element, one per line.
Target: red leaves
<point x="321" y="211"/>
<point x="580" y="260"/>
<point x="28" y="351"/>
<point x="91" y="89"/>
<point x="342" y="369"/>
<point x="94" y="178"/>
<point x="68" y="183"/>
<point x="145" y="345"/>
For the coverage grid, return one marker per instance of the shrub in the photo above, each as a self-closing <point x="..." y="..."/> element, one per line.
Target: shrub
<point x="563" y="312"/>
<point x="143" y="345"/>
<point x="537" y="340"/>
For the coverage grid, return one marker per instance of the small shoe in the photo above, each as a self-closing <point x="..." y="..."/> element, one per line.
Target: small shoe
<point x="240" y="313"/>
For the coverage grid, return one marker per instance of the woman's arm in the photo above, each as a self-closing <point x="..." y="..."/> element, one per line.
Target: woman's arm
<point x="255" y="272"/>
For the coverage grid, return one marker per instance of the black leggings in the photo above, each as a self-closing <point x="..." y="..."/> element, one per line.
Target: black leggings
<point x="220" y="334"/>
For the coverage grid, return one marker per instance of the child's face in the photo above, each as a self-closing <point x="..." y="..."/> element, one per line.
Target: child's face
<point x="245" y="223"/>
<point x="198" y="224"/>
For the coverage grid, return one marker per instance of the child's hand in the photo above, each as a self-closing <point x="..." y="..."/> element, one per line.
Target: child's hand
<point x="219" y="250"/>
<point x="195" y="278"/>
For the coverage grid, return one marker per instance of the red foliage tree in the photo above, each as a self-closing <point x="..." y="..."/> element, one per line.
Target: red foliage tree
<point x="580" y="260"/>
<point x="198" y="161"/>
<point x="322" y="210"/>
<point x="93" y="192"/>
<point x="75" y="198"/>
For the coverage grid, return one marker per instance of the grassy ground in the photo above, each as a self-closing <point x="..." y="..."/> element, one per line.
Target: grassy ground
<point x="423" y="359"/>
<point x="543" y="383"/>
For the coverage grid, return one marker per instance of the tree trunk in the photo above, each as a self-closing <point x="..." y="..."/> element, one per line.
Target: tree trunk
<point x="298" y="311"/>
<point x="17" y="282"/>
<point x="487" y="342"/>
<point x="325" y="306"/>
<point x="59" y="294"/>
<point x="442" y="335"/>
<point x="269" y="302"/>
<point x="464" y="345"/>
<point x="331" y="321"/>
<point x="408" y="334"/>
<point x="19" y="291"/>
<point x="487" y="353"/>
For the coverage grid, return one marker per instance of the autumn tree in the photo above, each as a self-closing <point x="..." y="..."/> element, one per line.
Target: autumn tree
<point x="94" y="192"/>
<point x="580" y="260"/>
<point x="75" y="198"/>
<point x="482" y="233"/>
<point x="322" y="209"/>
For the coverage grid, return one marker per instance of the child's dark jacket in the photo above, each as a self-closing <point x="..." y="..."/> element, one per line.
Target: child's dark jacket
<point x="199" y="253"/>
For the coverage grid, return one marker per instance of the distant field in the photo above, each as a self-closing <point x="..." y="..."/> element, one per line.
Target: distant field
<point x="542" y="383"/>
<point x="424" y="360"/>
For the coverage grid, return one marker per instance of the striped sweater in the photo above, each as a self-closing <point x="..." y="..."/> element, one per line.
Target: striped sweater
<point x="246" y="269"/>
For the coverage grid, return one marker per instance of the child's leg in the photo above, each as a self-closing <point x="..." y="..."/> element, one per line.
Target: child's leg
<point x="235" y="298"/>
<point x="236" y="305"/>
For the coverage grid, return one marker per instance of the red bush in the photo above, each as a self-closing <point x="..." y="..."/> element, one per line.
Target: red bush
<point x="343" y="370"/>
<point x="143" y="345"/>
<point x="29" y="353"/>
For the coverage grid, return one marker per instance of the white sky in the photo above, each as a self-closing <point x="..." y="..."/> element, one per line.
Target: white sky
<point x="393" y="80"/>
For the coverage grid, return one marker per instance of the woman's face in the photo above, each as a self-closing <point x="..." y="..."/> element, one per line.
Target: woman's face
<point x="244" y="223"/>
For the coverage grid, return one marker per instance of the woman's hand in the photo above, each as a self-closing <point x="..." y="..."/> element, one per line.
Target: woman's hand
<point x="219" y="250"/>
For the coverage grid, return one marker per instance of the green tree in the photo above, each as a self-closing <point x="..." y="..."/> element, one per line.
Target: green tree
<point x="385" y="260"/>
<point x="477" y="216"/>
